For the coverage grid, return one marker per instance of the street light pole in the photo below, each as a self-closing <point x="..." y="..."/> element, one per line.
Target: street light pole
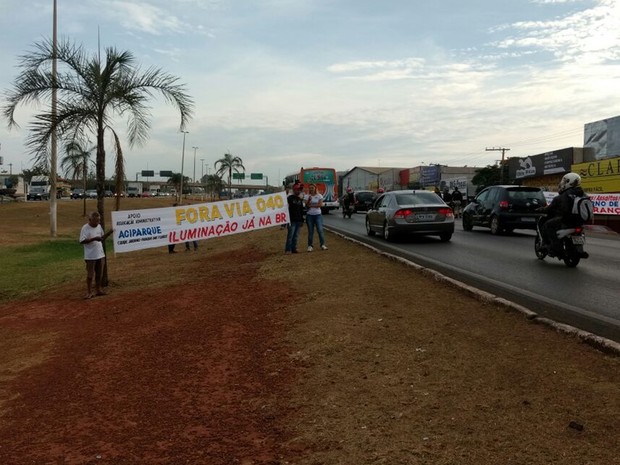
<point x="182" y="165"/>
<point x="194" y="178"/>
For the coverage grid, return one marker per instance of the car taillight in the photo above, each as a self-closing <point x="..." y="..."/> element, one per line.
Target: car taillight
<point x="447" y="212"/>
<point x="578" y="230"/>
<point x="503" y="204"/>
<point x="403" y="213"/>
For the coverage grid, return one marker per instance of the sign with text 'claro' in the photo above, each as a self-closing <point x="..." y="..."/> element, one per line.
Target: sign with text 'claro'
<point x="158" y="227"/>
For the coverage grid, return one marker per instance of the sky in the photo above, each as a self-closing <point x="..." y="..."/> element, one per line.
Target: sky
<point x="342" y="83"/>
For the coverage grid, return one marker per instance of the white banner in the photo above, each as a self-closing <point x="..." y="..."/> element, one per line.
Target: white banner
<point x="604" y="204"/>
<point x="158" y="227"/>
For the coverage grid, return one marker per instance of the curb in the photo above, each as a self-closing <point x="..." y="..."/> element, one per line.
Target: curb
<point x="600" y="343"/>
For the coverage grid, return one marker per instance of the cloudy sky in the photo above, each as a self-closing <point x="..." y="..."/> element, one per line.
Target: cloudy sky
<point x="344" y="83"/>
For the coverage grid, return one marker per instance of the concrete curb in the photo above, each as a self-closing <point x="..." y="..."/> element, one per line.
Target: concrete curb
<point x="600" y="343"/>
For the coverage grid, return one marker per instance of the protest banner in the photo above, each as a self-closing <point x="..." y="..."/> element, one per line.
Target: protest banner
<point x="158" y="227"/>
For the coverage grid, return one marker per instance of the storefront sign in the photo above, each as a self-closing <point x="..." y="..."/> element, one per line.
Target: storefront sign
<point x="599" y="176"/>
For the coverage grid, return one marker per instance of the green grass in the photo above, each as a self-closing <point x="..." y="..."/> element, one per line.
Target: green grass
<point x="28" y="269"/>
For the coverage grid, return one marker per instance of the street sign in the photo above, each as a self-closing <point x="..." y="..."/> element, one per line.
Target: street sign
<point x="165" y="174"/>
<point x="148" y="173"/>
<point x="238" y="175"/>
<point x="256" y="176"/>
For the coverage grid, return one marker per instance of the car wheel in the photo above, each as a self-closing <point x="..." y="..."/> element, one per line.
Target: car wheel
<point x="369" y="231"/>
<point x="496" y="228"/>
<point x="445" y="237"/>
<point x="468" y="222"/>
<point x="387" y="234"/>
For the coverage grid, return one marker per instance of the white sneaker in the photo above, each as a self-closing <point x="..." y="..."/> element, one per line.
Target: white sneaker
<point x="323" y="247"/>
<point x="310" y="249"/>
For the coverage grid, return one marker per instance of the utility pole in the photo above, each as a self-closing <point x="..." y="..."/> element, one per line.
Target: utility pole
<point x="195" y="148"/>
<point x="501" y="166"/>
<point x="54" y="142"/>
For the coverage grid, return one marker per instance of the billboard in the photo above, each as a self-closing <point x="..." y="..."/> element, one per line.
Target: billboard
<point x="430" y="175"/>
<point x="555" y="162"/>
<point x="603" y="138"/>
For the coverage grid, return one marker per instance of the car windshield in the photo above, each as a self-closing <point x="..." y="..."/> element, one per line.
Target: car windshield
<point x="418" y="198"/>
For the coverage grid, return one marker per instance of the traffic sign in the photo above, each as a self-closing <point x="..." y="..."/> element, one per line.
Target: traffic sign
<point x="238" y="175"/>
<point x="166" y="174"/>
<point x="148" y="173"/>
<point x="256" y="176"/>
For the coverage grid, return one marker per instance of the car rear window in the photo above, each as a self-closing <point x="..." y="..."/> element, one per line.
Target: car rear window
<point x="418" y="198"/>
<point x="525" y="194"/>
<point x="365" y="195"/>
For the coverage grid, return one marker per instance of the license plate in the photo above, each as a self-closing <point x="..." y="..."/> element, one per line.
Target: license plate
<point x="579" y="240"/>
<point x="528" y="219"/>
<point x="424" y="217"/>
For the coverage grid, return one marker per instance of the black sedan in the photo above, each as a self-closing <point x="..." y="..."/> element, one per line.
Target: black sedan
<point x="410" y="212"/>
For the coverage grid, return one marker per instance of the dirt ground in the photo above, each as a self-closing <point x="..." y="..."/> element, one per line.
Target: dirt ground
<point x="239" y="354"/>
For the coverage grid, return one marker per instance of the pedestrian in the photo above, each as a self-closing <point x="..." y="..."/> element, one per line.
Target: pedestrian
<point x="314" y="218"/>
<point x="188" y="248"/>
<point x="457" y="200"/>
<point x="92" y="237"/>
<point x="296" y="217"/>
<point x="171" y="246"/>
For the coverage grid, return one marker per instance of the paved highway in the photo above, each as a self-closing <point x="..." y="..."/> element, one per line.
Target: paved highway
<point x="587" y="297"/>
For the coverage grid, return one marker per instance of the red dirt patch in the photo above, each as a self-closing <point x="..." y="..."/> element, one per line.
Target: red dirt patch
<point x="208" y="369"/>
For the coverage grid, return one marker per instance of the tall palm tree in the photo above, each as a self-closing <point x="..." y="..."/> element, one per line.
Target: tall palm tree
<point x="227" y="165"/>
<point x="91" y="92"/>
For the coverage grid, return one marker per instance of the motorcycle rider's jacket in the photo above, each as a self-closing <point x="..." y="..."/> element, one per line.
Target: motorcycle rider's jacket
<point x="562" y="207"/>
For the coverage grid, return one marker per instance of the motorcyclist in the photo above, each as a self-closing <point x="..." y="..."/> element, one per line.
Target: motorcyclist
<point x="559" y="212"/>
<point x="349" y="199"/>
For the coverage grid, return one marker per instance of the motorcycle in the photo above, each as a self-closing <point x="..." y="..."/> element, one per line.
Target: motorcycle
<point x="573" y="241"/>
<point x="348" y="211"/>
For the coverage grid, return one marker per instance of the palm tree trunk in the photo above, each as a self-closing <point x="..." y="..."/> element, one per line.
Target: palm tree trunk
<point x="100" y="191"/>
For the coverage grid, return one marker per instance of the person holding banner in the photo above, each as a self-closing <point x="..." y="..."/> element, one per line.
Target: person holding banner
<point x="314" y="202"/>
<point x="296" y="217"/>
<point x="92" y="237"/>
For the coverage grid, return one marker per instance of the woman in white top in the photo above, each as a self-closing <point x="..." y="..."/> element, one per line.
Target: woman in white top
<point x="314" y="202"/>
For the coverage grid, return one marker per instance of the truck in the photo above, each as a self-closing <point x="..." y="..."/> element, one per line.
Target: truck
<point x="39" y="188"/>
<point x="134" y="189"/>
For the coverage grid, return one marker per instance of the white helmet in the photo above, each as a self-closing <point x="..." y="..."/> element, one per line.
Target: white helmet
<point x="569" y="180"/>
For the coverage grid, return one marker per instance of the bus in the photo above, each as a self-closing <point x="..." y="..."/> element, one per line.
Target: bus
<point x="326" y="182"/>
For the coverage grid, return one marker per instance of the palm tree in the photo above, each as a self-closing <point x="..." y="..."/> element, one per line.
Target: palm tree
<point x="175" y="181"/>
<point x="213" y="184"/>
<point x="76" y="161"/>
<point x="228" y="164"/>
<point x="91" y="92"/>
<point x="75" y="164"/>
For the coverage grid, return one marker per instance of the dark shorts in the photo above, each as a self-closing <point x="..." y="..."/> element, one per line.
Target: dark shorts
<point x="94" y="267"/>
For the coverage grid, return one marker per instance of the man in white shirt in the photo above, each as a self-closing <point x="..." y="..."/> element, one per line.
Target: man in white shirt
<point x="92" y="237"/>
